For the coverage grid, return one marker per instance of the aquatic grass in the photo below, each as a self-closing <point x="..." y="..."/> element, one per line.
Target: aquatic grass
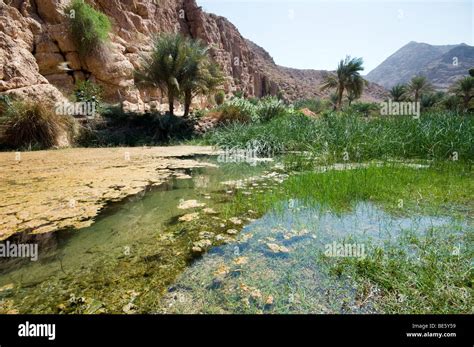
<point x="436" y="277"/>
<point x="443" y="188"/>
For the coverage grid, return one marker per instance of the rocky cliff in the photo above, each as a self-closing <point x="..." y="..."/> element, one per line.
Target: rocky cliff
<point x="38" y="59"/>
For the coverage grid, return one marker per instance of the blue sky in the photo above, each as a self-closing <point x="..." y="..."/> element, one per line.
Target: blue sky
<point x="316" y="34"/>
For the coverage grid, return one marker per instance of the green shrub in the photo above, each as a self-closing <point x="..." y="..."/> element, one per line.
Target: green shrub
<point x="5" y="102"/>
<point x="365" y="109"/>
<point x="238" y="94"/>
<point x="237" y="110"/>
<point x="451" y="103"/>
<point x="33" y="125"/>
<point x="269" y="108"/>
<point x="87" y="91"/>
<point x="89" y="27"/>
<point x="219" y="97"/>
<point x="118" y="128"/>
<point x="430" y="100"/>
<point x="314" y="105"/>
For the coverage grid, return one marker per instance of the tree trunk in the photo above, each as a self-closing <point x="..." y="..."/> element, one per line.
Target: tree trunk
<point x="171" y="102"/>
<point x="339" y="97"/>
<point x="187" y="103"/>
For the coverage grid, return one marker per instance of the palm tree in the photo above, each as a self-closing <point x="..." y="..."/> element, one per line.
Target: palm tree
<point x="180" y="67"/>
<point x="200" y="75"/>
<point x="192" y="75"/>
<point x="398" y="92"/>
<point x="163" y="67"/>
<point x="347" y="78"/>
<point x="464" y="89"/>
<point x="351" y="96"/>
<point x="333" y="101"/>
<point x="418" y="86"/>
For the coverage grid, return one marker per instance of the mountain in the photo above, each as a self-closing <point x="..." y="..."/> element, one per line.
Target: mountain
<point x="442" y="65"/>
<point x="35" y="41"/>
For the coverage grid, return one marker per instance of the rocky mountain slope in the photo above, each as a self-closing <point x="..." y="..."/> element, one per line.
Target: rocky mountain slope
<point x="35" y="43"/>
<point x="442" y="65"/>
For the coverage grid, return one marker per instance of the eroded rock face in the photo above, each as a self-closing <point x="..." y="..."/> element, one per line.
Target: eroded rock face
<point x="37" y="52"/>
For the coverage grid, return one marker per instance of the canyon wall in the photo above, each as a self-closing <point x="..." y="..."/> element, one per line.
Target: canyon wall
<point x="39" y="60"/>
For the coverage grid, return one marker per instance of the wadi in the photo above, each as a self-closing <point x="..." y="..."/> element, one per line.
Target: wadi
<point x="160" y="162"/>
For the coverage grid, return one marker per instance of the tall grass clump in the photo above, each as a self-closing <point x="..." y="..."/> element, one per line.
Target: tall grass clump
<point x="33" y="125"/>
<point x="5" y="102"/>
<point x="240" y="110"/>
<point x="433" y="136"/>
<point x="314" y="105"/>
<point x="276" y="136"/>
<point x="237" y="110"/>
<point x="339" y="136"/>
<point x="89" y="27"/>
<point x="269" y="108"/>
<point x="219" y="97"/>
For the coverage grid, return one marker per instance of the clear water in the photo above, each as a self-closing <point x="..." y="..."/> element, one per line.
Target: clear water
<point x="128" y="254"/>
<point x="137" y="257"/>
<point x="297" y="281"/>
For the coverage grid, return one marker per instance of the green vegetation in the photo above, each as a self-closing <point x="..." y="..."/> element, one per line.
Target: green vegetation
<point x="458" y="99"/>
<point x="5" y="103"/>
<point x="314" y="105"/>
<point x="179" y="66"/>
<point x="464" y="89"/>
<point x="239" y="110"/>
<point x="87" y="91"/>
<point x="398" y="92"/>
<point x="433" y="136"/>
<point x="219" y="97"/>
<point x="118" y="128"/>
<point x="29" y="125"/>
<point x="347" y="78"/>
<point x="89" y="27"/>
<point x="418" y="86"/>
<point x="442" y="189"/>
<point x="417" y="275"/>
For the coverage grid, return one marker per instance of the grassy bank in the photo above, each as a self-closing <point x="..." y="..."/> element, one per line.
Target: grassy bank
<point x="433" y="136"/>
<point x="444" y="187"/>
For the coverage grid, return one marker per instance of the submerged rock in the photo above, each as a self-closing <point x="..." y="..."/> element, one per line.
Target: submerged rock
<point x="189" y="204"/>
<point x="277" y="248"/>
<point x="209" y="211"/>
<point x="232" y="232"/>
<point x="201" y="246"/>
<point x="189" y="217"/>
<point x="236" y="221"/>
<point x="241" y="260"/>
<point x="130" y="308"/>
